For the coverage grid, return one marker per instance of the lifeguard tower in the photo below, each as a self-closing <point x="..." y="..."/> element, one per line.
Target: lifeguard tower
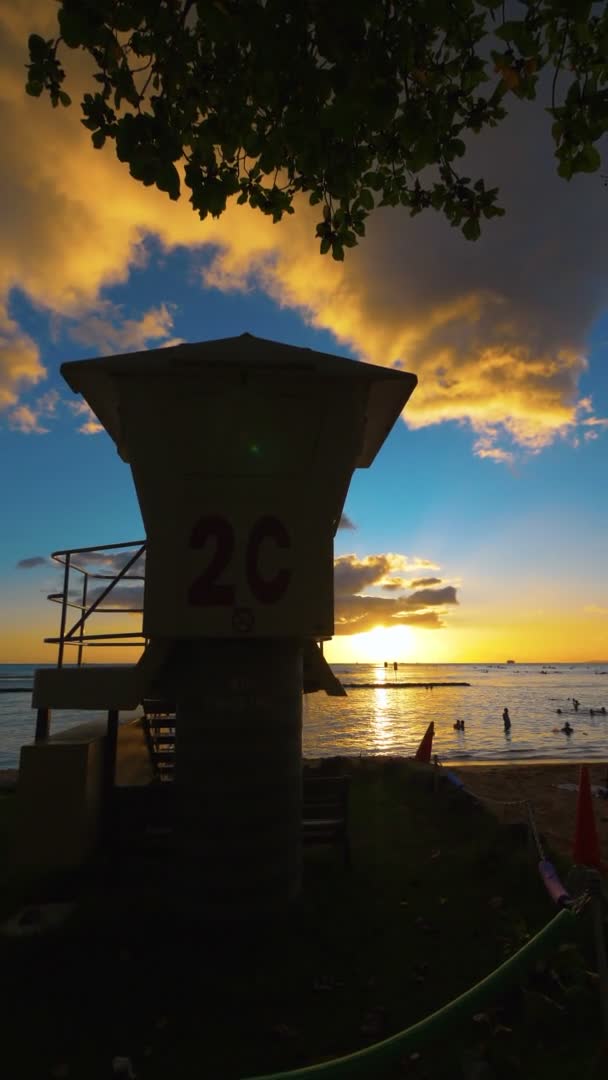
<point x="242" y="451"/>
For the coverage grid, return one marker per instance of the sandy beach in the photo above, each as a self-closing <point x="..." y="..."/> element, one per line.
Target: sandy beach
<point x="554" y="807"/>
<point x="539" y="784"/>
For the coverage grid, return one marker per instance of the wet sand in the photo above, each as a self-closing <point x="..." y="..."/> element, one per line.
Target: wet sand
<point x="554" y="809"/>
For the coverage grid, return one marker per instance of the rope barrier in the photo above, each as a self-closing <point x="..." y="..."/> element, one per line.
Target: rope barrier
<point x="591" y="894"/>
<point x="546" y="869"/>
<point x="364" y="1063"/>
<point x="534" y="831"/>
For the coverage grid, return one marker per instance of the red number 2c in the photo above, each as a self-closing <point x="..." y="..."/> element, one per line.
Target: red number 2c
<point x="207" y="591"/>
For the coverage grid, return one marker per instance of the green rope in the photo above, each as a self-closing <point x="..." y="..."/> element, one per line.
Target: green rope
<point x="365" y="1063"/>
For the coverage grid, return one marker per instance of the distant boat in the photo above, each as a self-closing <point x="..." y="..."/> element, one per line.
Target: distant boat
<point x="510" y="661"/>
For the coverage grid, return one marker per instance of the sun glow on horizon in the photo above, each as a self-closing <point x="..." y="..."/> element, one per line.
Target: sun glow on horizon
<point x="399" y="644"/>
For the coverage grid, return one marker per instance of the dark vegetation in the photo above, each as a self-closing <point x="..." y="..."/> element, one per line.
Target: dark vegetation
<point x="373" y="108"/>
<point x="439" y="894"/>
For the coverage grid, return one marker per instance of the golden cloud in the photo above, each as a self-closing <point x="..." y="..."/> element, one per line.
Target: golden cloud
<point x="90" y="424"/>
<point x="108" y="332"/>
<point x="358" y="610"/>
<point x="495" y="330"/>
<point x="358" y="614"/>
<point x="19" y="361"/>
<point x="352" y="574"/>
<point x="26" y="420"/>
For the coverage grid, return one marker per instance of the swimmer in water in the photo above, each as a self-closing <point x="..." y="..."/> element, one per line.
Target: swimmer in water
<point x="506" y="719"/>
<point x="567" y="730"/>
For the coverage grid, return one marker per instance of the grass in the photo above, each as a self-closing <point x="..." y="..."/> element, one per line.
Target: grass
<point x="438" y="896"/>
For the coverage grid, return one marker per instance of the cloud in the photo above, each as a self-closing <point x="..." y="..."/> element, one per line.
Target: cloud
<point x="20" y="364"/>
<point x="102" y="567"/>
<point x="27" y="418"/>
<point x="107" y="562"/>
<point x="346" y="523"/>
<point x="46" y="404"/>
<point x="419" y="583"/>
<point x="484" y="447"/>
<point x="30" y="564"/>
<point x="352" y="574"/>
<point x="424" y="597"/>
<point x="496" y="330"/>
<point x="358" y="614"/>
<point x="128" y="598"/>
<point x="357" y="610"/>
<point x="394" y="583"/>
<point x="111" y="333"/>
<point x="90" y="425"/>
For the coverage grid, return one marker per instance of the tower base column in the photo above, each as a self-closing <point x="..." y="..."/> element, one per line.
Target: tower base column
<point x="238" y="760"/>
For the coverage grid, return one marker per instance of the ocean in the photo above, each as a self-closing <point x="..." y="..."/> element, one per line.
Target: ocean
<point x="384" y="720"/>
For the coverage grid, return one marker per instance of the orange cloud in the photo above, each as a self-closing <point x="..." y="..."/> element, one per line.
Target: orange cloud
<point x="26" y="420"/>
<point x="19" y="360"/>
<point x="495" y="330"/>
<point x="357" y="609"/>
<point x="90" y="425"/>
<point x="108" y="332"/>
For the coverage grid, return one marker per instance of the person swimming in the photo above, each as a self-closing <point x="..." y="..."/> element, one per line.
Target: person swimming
<point x="459" y="725"/>
<point x="567" y="730"/>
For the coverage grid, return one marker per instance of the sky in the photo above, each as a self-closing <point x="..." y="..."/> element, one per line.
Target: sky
<point x="479" y="533"/>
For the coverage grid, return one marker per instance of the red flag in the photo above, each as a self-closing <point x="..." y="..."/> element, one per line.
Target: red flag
<point x="423" y="752"/>
<point x="586" y="851"/>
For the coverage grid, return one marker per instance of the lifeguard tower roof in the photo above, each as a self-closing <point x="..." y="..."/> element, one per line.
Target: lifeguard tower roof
<point x="388" y="388"/>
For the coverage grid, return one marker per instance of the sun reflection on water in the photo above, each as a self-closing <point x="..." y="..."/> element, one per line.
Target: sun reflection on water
<point x="382" y="723"/>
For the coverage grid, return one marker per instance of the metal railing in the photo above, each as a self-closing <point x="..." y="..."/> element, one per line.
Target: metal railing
<point x="76" y="635"/>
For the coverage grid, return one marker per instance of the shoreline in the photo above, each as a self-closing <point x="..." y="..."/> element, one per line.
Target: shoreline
<point x="551" y="789"/>
<point x="498" y="763"/>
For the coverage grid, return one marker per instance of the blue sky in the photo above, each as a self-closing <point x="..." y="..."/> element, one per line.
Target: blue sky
<point x="497" y="476"/>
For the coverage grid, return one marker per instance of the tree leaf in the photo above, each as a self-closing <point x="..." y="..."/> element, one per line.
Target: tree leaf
<point x="317" y="103"/>
<point x="471" y="228"/>
<point x="587" y="160"/>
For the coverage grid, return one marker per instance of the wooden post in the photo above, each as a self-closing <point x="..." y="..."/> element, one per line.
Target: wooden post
<point x="43" y="723"/>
